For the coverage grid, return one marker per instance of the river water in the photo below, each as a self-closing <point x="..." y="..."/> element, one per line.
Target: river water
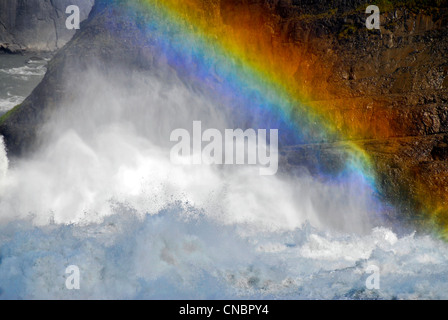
<point x="19" y="75"/>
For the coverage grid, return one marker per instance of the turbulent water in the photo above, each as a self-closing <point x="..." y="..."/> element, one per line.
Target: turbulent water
<point x="19" y="75"/>
<point x="102" y="194"/>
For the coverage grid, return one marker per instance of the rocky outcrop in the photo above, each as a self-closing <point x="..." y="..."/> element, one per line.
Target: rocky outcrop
<point x="384" y="90"/>
<point x="37" y="25"/>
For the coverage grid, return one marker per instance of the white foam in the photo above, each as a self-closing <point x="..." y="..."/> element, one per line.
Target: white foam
<point x="178" y="254"/>
<point x="10" y="102"/>
<point x="27" y="70"/>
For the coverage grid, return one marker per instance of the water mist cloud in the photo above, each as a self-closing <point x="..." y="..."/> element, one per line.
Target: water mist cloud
<point x="111" y="145"/>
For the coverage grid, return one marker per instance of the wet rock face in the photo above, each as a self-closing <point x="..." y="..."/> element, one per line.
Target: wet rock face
<point x="37" y="25"/>
<point x="386" y="90"/>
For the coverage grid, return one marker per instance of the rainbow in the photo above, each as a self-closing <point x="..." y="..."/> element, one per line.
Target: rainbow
<point x="242" y="61"/>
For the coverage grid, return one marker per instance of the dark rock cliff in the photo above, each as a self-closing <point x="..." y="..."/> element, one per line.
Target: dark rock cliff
<point x="388" y="86"/>
<point x="37" y="25"/>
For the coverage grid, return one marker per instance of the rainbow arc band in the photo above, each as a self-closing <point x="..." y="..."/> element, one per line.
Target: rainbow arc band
<point x="235" y="53"/>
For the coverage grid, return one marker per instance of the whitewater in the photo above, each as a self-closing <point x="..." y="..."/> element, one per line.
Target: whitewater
<point x="19" y="75"/>
<point x="101" y="193"/>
